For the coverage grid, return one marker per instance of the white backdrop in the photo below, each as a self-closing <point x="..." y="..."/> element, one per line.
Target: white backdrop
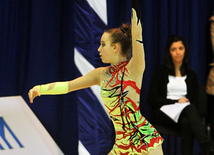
<point x="15" y="115"/>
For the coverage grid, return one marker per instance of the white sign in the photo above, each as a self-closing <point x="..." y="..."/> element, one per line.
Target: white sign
<point x="21" y="133"/>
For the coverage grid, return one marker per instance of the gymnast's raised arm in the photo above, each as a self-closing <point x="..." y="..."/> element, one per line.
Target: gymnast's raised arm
<point x="137" y="45"/>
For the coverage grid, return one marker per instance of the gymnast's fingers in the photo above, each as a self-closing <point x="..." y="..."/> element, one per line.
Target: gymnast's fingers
<point x="34" y="92"/>
<point x="134" y="18"/>
<point x="30" y="96"/>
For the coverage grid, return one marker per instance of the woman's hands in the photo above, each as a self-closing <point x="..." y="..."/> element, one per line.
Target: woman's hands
<point x="183" y="100"/>
<point x="34" y="92"/>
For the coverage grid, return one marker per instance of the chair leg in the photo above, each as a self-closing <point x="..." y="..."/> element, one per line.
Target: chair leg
<point x="175" y="145"/>
<point x="208" y="132"/>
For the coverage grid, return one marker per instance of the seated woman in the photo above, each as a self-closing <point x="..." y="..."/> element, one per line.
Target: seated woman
<point x="174" y="82"/>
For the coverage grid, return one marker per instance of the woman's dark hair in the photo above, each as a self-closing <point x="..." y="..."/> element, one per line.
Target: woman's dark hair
<point x="122" y="35"/>
<point x="167" y="59"/>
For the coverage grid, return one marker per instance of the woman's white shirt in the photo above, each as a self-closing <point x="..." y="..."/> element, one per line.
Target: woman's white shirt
<point x="176" y="88"/>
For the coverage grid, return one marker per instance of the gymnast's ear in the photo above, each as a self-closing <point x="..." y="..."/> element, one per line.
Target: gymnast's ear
<point x="117" y="47"/>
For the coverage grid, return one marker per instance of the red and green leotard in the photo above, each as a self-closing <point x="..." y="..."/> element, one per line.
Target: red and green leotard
<point x="134" y="134"/>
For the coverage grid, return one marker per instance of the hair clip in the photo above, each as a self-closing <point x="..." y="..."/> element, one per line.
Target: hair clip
<point x="124" y="32"/>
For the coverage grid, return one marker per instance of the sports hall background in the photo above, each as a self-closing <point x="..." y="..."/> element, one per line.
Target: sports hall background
<point x="40" y="41"/>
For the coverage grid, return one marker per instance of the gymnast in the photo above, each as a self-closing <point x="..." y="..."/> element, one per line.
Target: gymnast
<point x="120" y="89"/>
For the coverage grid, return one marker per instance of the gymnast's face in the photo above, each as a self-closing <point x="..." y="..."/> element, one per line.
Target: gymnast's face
<point x="177" y="51"/>
<point x="106" y="48"/>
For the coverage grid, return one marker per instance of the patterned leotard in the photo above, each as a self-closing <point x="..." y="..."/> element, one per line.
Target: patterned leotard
<point x="134" y="134"/>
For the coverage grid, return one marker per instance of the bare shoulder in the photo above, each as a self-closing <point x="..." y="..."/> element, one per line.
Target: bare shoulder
<point x="101" y="71"/>
<point x="135" y="73"/>
<point x="134" y="69"/>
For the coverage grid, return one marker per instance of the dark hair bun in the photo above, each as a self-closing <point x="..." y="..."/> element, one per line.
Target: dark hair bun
<point x="126" y="28"/>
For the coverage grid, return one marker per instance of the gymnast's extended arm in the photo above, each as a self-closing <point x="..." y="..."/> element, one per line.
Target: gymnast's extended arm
<point x="56" y="88"/>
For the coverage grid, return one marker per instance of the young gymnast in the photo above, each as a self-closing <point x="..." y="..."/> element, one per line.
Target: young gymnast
<point x="120" y="89"/>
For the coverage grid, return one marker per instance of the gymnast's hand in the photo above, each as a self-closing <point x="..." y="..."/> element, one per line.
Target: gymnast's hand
<point x="34" y="92"/>
<point x="136" y="26"/>
<point x="183" y="100"/>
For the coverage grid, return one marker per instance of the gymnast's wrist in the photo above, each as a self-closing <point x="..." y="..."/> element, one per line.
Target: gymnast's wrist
<point x="37" y="87"/>
<point x="56" y="88"/>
